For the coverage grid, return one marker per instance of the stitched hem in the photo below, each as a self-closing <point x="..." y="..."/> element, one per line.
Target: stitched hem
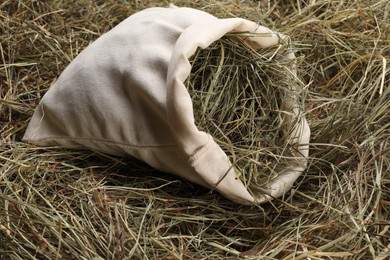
<point x="54" y="138"/>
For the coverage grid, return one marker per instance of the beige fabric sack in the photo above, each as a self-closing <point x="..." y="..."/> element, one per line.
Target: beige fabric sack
<point x="124" y="95"/>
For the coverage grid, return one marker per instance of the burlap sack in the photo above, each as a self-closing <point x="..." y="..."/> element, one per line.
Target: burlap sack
<point x="124" y="95"/>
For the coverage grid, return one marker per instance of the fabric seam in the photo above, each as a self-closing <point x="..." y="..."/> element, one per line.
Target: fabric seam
<point x="99" y="140"/>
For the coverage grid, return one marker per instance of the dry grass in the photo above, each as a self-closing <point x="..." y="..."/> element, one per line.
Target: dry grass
<point x="61" y="204"/>
<point x="239" y="96"/>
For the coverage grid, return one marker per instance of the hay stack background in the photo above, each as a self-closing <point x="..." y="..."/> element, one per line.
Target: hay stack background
<point x="61" y="204"/>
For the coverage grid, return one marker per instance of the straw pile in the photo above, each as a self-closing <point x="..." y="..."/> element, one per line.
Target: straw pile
<point x="238" y="97"/>
<point x="61" y="204"/>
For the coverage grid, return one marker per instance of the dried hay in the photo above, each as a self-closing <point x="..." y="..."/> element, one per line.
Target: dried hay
<point x="239" y="98"/>
<point x="56" y="203"/>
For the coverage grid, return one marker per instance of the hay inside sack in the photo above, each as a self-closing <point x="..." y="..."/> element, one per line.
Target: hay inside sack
<point x="240" y="97"/>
